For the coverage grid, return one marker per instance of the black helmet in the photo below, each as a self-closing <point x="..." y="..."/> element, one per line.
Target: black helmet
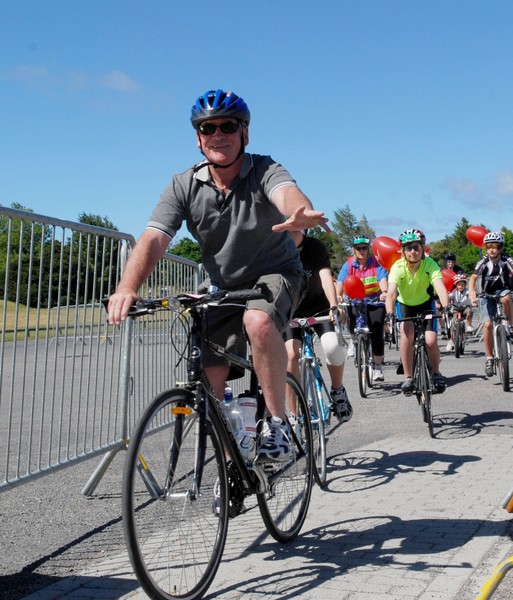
<point x="217" y="103"/>
<point x="450" y="256"/>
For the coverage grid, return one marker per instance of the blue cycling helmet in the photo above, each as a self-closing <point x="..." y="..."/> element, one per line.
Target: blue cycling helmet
<point x="218" y="103"/>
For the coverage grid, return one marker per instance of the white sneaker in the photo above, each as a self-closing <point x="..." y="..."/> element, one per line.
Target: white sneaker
<point x="274" y="441"/>
<point x="350" y="350"/>
<point x="377" y="374"/>
<point x="450" y="346"/>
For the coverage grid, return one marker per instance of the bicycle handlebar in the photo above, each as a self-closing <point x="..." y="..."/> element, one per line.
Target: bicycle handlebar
<point x="147" y="306"/>
<point x="495" y="295"/>
<point x="353" y="301"/>
<point x="428" y="317"/>
<point x="308" y="321"/>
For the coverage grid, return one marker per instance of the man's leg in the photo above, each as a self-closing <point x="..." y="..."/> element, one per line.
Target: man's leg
<point x="269" y="359"/>
<point x="217" y="378"/>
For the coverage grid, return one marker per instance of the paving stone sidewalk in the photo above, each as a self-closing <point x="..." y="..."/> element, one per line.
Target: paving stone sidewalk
<point x="401" y="519"/>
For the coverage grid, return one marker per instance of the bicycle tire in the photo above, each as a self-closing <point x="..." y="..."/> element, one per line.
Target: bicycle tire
<point x="368" y="362"/>
<point x="425" y="389"/>
<point x="457" y="338"/>
<point x="174" y="535"/>
<point x="284" y="504"/>
<point x="361" y="365"/>
<point x="503" y="361"/>
<point x="309" y="384"/>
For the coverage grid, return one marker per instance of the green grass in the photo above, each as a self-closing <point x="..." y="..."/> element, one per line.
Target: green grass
<point x="43" y="321"/>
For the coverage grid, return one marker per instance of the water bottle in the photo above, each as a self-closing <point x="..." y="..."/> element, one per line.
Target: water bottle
<point x="231" y="411"/>
<point x="247" y="409"/>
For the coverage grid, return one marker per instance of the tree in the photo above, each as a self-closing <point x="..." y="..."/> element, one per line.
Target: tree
<point x="186" y="248"/>
<point x="346" y="227"/>
<point x="96" y="220"/>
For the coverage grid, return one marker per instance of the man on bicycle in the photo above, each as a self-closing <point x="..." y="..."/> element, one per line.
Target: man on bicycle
<point x="320" y="299"/>
<point x="240" y="208"/>
<point x="495" y="274"/>
<point x="364" y="266"/>
<point x="409" y="284"/>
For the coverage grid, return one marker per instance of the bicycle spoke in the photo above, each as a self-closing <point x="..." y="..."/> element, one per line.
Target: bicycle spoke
<point x="176" y="540"/>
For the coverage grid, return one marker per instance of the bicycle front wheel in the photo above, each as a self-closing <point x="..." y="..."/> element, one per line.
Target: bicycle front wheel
<point x="175" y="508"/>
<point x="424" y="391"/>
<point x="284" y="504"/>
<point x="502" y="347"/>
<point x="316" y="416"/>
<point x="458" y="333"/>
<point x="362" y="365"/>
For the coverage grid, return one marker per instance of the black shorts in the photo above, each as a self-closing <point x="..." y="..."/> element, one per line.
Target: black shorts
<point x="223" y="325"/>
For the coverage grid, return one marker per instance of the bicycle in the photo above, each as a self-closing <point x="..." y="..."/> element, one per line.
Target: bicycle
<point x="458" y="329"/>
<point x="422" y="376"/>
<point x="184" y="475"/>
<point x="501" y="341"/>
<point x="363" y="346"/>
<point x="316" y="391"/>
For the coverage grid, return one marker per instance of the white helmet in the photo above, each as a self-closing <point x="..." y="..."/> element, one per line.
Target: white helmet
<point x="494" y="237"/>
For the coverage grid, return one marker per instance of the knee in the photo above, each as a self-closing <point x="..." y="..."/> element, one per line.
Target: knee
<point x="258" y="324"/>
<point x="292" y="352"/>
<point x="333" y="351"/>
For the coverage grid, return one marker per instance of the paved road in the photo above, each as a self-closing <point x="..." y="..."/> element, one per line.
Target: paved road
<point x="403" y="516"/>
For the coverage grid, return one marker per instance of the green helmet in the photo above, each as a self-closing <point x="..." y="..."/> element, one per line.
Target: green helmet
<point x="361" y="239"/>
<point x="409" y="236"/>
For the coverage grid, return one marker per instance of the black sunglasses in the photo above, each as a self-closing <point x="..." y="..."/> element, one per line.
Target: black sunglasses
<point x="227" y="127"/>
<point x="414" y="247"/>
<point x="361" y="248"/>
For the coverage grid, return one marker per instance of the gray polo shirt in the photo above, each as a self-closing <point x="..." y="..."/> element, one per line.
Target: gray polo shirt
<point x="234" y="231"/>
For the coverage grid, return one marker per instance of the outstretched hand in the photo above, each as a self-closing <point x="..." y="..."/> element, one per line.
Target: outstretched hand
<point x="303" y="218"/>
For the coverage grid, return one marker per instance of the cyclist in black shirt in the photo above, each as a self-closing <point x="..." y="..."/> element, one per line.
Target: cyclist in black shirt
<point x="495" y="273"/>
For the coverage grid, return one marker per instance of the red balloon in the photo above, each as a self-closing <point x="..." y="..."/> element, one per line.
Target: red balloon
<point x="475" y="235"/>
<point x="448" y="277"/>
<point x="386" y="250"/>
<point x="354" y="288"/>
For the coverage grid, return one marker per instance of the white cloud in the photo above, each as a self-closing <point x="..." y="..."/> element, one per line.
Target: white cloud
<point x="74" y="82"/>
<point x="472" y="194"/>
<point x="504" y="183"/>
<point x="119" y="81"/>
<point x="27" y="74"/>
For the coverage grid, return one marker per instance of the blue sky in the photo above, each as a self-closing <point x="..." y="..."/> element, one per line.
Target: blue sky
<point x="400" y="109"/>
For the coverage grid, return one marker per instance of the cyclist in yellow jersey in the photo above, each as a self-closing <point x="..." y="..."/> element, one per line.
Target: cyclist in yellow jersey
<point x="409" y="280"/>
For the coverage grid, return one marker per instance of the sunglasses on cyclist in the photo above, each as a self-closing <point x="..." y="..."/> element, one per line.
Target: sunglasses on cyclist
<point x="410" y="247"/>
<point x="361" y="248"/>
<point x="227" y="127"/>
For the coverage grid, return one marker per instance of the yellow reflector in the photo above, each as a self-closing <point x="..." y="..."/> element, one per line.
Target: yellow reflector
<point x="181" y="410"/>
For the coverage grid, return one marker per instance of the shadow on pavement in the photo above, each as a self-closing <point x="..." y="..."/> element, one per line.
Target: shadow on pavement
<point x="366" y="469"/>
<point x="365" y="544"/>
<point x="458" y="425"/>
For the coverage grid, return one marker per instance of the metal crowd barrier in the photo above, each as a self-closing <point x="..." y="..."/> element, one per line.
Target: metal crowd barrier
<point x="71" y="386"/>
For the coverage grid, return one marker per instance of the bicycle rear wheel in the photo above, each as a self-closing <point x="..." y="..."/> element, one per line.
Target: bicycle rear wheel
<point x="424" y="391"/>
<point x="316" y="416"/>
<point x="174" y="468"/>
<point x="502" y="344"/>
<point x="285" y="502"/>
